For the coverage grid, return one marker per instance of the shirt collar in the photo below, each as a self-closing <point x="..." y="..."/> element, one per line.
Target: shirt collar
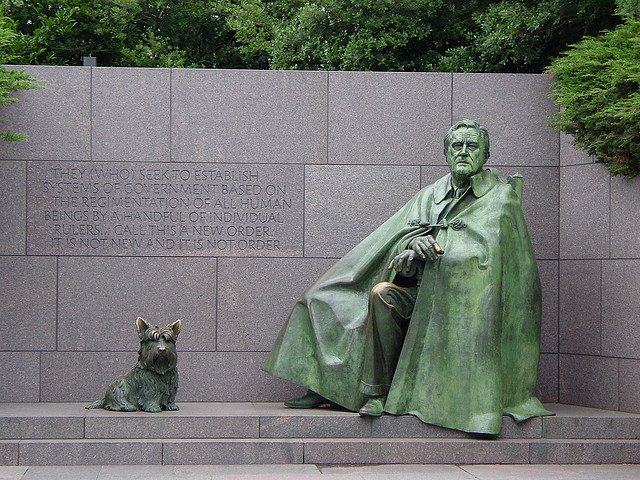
<point x="481" y="183"/>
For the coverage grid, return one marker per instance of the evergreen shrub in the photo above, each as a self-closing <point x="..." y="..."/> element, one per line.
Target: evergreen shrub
<point x="597" y="84"/>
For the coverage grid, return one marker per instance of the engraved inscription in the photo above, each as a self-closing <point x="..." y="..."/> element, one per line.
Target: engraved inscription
<point x="164" y="209"/>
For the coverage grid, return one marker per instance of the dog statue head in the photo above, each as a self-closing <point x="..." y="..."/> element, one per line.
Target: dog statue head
<point x="157" y="346"/>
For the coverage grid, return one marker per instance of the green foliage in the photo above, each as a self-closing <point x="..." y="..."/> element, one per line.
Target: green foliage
<point x="126" y="32"/>
<point x="524" y="35"/>
<point x="419" y="35"/>
<point x="598" y="86"/>
<point x="628" y="8"/>
<point x="10" y="79"/>
<point x="396" y="35"/>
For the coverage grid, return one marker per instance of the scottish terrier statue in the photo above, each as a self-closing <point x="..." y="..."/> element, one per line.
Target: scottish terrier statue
<point x="152" y="384"/>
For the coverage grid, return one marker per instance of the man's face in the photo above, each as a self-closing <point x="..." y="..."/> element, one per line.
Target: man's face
<point x="465" y="153"/>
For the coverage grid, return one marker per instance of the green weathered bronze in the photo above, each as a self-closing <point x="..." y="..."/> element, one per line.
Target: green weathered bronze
<point x="435" y="314"/>
<point x="152" y="383"/>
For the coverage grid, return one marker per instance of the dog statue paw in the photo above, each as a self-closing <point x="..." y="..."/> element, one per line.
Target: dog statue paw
<point x="152" y="384"/>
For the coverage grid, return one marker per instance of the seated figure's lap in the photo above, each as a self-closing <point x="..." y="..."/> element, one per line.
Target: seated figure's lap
<point x="399" y="299"/>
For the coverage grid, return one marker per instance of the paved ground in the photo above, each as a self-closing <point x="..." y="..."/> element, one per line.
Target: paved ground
<point x="326" y="472"/>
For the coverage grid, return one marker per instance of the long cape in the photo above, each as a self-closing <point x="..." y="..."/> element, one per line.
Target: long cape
<point x="472" y="347"/>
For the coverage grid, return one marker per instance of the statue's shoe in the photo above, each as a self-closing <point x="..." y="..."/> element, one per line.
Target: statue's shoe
<point x="374" y="407"/>
<point x="310" y="400"/>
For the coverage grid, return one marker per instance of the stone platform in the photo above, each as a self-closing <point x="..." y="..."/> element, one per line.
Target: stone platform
<point x="268" y="433"/>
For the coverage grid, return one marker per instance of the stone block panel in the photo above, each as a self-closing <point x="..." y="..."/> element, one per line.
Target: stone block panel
<point x="408" y="426"/>
<point x="343" y="204"/>
<point x="625" y="217"/>
<point x="515" y="108"/>
<point x="630" y="385"/>
<point x="547" y="388"/>
<point x="164" y="209"/>
<point x="232" y="452"/>
<point x="13" y="191"/>
<point x="81" y="377"/>
<point x="580" y="297"/>
<point x="130" y="109"/>
<point x="20" y="377"/>
<point x="122" y="452"/>
<point x="540" y="206"/>
<point x="28" y="303"/>
<point x="584" y="212"/>
<point x="100" y="299"/>
<point x="585" y="451"/>
<point x="548" y="271"/>
<point x="230" y="377"/>
<point x="418" y="451"/>
<point x="580" y="422"/>
<point x="351" y="426"/>
<point x="204" y="377"/>
<point x="570" y="155"/>
<point x="41" y="427"/>
<point x="429" y="174"/>
<point x="56" y="118"/>
<point x="145" y="426"/>
<point x="589" y="381"/>
<point x="621" y="308"/>
<point x="9" y="454"/>
<point x="249" y="116"/>
<point x="256" y="296"/>
<point x="388" y="118"/>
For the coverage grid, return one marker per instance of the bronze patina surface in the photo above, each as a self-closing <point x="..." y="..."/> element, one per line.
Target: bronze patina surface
<point x="435" y="314"/>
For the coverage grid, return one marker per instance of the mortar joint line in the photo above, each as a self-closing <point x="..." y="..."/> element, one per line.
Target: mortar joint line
<point x="170" y="115"/>
<point x="91" y="114"/>
<point x="26" y="207"/>
<point x="327" y="122"/>
<point x="451" y="103"/>
<point x="217" y="300"/>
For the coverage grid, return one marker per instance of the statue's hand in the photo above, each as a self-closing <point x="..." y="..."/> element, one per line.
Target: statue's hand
<point x="426" y="247"/>
<point x="405" y="263"/>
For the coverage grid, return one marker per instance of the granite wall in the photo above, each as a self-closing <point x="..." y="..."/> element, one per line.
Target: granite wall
<point x="599" y="322"/>
<point x="216" y="196"/>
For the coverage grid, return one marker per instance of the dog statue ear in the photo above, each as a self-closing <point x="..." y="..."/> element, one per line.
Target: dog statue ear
<point x="175" y="327"/>
<point x="142" y="326"/>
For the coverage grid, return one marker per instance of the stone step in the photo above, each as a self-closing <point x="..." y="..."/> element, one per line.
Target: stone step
<point x="317" y="451"/>
<point x="43" y="434"/>
<point x="272" y="420"/>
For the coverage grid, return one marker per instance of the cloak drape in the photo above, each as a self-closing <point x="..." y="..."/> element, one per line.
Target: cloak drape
<point x="472" y="347"/>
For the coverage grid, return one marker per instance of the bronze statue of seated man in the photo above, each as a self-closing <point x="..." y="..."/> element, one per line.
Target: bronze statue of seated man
<point x="435" y="314"/>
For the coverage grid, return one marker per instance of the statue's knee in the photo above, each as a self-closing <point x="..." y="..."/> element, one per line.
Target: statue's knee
<point x="381" y="291"/>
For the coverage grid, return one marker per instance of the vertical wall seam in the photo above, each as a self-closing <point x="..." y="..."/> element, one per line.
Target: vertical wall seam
<point x="618" y="389"/>
<point x="217" y="300"/>
<point x="609" y="226"/>
<point x="40" y="377"/>
<point x="559" y="274"/>
<point x="451" y="102"/>
<point x="91" y="114"/>
<point x="600" y="306"/>
<point x="171" y="115"/>
<point x="26" y="207"/>
<point x="327" y="124"/>
<point x="304" y="209"/>
<point x="57" y="298"/>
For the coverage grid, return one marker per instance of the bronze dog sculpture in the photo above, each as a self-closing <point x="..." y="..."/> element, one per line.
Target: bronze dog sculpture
<point x="152" y="383"/>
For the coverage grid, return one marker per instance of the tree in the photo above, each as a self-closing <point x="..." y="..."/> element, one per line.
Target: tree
<point x="419" y="35"/>
<point x="190" y="33"/>
<point x="598" y="86"/>
<point x="393" y="35"/>
<point x="525" y="35"/>
<point x="10" y="79"/>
